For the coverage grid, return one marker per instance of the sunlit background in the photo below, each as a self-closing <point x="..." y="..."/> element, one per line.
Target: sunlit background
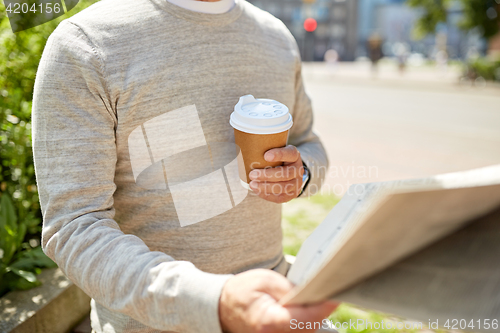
<point x="346" y="26"/>
<point x="400" y="89"/>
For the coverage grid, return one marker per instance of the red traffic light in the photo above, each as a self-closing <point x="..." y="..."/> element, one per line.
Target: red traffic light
<point x="310" y="24"/>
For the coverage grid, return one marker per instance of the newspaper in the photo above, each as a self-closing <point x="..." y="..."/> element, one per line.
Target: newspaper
<point x="426" y="249"/>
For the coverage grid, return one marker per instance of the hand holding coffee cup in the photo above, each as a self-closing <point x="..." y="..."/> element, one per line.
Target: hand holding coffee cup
<point x="267" y="165"/>
<point x="279" y="184"/>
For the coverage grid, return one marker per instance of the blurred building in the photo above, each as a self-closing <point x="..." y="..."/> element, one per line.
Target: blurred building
<point x="346" y="25"/>
<point x="394" y="21"/>
<point x="337" y="25"/>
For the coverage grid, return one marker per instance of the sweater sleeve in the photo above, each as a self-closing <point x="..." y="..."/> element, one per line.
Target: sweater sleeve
<point x="75" y="155"/>
<point x="302" y="136"/>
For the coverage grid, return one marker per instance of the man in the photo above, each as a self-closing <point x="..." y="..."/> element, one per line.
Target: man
<point x="118" y="66"/>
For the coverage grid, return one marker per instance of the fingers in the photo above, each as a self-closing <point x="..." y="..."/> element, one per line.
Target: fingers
<point x="279" y="184"/>
<point x="288" y="154"/>
<point x="289" y="187"/>
<point x="274" y="319"/>
<point x="267" y="281"/>
<point x="314" y="312"/>
<point x="278" y="174"/>
<point x="279" y="319"/>
<point x="249" y="303"/>
<point x="278" y="198"/>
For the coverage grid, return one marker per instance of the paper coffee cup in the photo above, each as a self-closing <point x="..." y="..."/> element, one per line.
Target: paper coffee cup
<point x="259" y="125"/>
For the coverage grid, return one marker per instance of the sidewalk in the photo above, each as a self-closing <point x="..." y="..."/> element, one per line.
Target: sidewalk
<point x="397" y="126"/>
<point x="414" y="77"/>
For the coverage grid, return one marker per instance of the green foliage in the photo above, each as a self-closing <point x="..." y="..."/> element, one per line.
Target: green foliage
<point x="434" y="12"/>
<point x="301" y="217"/>
<point x="19" y="262"/>
<point x="481" y="14"/>
<point x="483" y="67"/>
<point x="19" y="57"/>
<point x="368" y="321"/>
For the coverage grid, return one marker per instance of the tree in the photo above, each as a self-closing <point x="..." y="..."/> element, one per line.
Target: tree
<point x="434" y="12"/>
<point x="481" y="14"/>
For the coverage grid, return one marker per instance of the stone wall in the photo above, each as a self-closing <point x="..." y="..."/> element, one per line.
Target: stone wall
<point x="54" y="307"/>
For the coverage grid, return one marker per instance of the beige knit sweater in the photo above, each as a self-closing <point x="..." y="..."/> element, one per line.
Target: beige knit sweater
<point x="125" y="66"/>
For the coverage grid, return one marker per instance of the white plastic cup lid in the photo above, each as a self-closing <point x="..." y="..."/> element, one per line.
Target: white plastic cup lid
<point x="260" y="116"/>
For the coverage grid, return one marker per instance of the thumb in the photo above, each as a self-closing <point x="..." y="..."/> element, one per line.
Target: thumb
<point x="277" y="286"/>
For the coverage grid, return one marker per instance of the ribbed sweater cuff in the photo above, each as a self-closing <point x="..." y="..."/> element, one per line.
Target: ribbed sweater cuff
<point x="200" y="293"/>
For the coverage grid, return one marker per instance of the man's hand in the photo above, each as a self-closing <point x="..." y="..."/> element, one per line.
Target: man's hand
<point x="279" y="184"/>
<point x="249" y="304"/>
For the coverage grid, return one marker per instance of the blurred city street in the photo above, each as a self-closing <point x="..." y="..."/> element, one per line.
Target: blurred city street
<point x="395" y="126"/>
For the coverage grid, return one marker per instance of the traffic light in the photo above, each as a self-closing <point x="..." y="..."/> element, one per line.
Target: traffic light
<point x="310" y="24"/>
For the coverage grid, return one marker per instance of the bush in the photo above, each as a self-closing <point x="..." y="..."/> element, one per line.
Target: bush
<point x="20" y="216"/>
<point x="20" y="261"/>
<point x="483" y="67"/>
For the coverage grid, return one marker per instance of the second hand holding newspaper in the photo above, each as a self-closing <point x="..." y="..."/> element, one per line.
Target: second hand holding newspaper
<point x="385" y="245"/>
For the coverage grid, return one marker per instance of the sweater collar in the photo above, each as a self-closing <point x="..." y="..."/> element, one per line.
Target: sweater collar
<point x="215" y="7"/>
<point x="202" y="18"/>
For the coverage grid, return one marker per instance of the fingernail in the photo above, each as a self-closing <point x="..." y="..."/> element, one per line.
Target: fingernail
<point x="254" y="174"/>
<point x="253" y="184"/>
<point x="269" y="157"/>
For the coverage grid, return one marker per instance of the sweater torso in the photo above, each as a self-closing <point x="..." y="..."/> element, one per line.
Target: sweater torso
<point x="158" y="61"/>
<point x="111" y="73"/>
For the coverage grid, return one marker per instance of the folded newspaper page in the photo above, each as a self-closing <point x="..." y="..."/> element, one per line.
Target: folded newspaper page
<point x="425" y="249"/>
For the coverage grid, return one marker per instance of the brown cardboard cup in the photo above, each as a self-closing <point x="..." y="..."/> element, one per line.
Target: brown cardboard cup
<point x="253" y="147"/>
<point x="259" y="125"/>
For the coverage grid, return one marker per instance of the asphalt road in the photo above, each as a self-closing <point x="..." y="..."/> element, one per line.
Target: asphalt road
<point x="397" y="127"/>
